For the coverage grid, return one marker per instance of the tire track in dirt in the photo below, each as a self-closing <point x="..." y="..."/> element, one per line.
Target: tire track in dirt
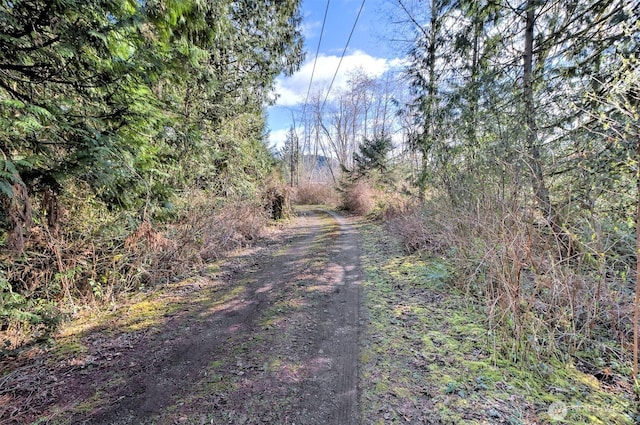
<point x="349" y="259"/>
<point x="283" y="349"/>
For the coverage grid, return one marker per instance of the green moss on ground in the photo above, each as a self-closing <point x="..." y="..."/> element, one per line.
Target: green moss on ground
<point x="428" y="356"/>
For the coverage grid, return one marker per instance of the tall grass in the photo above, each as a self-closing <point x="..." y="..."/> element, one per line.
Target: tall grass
<point x="315" y="194"/>
<point x="359" y="197"/>
<point x="544" y="303"/>
<point x="100" y="255"/>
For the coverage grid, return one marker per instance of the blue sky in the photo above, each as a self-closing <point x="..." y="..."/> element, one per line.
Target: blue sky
<point x="367" y="49"/>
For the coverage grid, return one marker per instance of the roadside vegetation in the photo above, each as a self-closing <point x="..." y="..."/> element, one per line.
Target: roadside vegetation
<point x="430" y="353"/>
<point x="131" y="147"/>
<point x="499" y="171"/>
<point x="511" y="159"/>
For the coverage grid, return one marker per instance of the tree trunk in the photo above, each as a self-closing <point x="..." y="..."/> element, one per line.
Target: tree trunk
<point x="429" y="104"/>
<point x="51" y="204"/>
<point x="540" y="189"/>
<point x="19" y="211"/>
<point x="636" y="301"/>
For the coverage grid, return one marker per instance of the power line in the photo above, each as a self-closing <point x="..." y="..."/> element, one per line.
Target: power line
<point x="315" y="61"/>
<point x="343" y="53"/>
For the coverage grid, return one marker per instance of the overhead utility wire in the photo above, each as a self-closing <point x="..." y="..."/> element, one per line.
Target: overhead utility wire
<point x="315" y="61"/>
<point x="342" y="56"/>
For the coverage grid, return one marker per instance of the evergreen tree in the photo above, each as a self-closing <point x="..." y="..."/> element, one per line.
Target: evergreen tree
<point x="372" y="156"/>
<point x="136" y="99"/>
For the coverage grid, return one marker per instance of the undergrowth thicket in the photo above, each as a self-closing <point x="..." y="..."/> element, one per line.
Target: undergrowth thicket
<point x="315" y="194"/>
<point x="548" y="300"/>
<point x="100" y="255"/>
<point x="132" y="145"/>
<point x="544" y="305"/>
<point x="429" y="355"/>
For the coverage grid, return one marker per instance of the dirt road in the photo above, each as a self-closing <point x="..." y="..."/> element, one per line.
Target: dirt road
<point x="271" y="338"/>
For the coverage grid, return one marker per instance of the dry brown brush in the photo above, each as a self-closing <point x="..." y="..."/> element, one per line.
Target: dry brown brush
<point x="315" y="194"/>
<point x="359" y="197"/>
<point x="545" y="303"/>
<point x="100" y="255"/>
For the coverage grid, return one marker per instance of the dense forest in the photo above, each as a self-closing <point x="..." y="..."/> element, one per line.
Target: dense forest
<point x="133" y="149"/>
<point x="117" y="117"/>
<point x="508" y="145"/>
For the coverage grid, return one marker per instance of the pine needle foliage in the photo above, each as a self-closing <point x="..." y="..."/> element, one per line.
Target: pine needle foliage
<point x="124" y="105"/>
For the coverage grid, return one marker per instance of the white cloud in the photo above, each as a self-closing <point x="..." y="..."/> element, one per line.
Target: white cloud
<point x="293" y="90"/>
<point x="398" y="63"/>
<point x="310" y="29"/>
<point x="278" y="137"/>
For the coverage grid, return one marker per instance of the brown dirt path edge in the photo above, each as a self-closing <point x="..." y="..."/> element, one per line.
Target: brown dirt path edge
<point x="281" y="349"/>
